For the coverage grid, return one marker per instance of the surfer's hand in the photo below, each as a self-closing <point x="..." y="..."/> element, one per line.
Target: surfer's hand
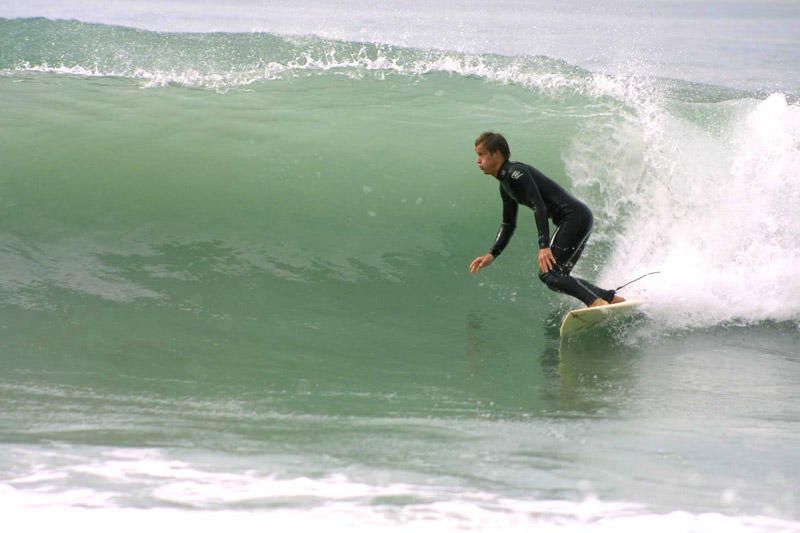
<point x="479" y="262"/>
<point x="546" y="260"/>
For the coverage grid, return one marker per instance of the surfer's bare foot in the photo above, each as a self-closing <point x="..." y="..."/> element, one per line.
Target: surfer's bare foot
<point x="617" y="300"/>
<point x="598" y="303"/>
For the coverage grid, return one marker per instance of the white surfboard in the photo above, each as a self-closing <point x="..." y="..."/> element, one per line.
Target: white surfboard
<point x="586" y="318"/>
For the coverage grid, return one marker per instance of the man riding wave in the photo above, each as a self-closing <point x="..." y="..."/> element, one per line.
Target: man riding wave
<point x="523" y="184"/>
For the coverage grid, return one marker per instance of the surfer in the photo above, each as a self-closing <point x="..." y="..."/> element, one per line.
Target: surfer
<point x="523" y="184"/>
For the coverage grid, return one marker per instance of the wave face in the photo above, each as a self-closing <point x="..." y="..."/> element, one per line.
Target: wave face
<point x="348" y="161"/>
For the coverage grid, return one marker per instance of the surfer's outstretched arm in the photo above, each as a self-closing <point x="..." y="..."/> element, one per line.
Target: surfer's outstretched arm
<point x="509" y="224"/>
<point x="507" y="227"/>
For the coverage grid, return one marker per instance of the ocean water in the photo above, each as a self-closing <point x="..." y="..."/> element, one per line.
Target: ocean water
<point x="234" y="240"/>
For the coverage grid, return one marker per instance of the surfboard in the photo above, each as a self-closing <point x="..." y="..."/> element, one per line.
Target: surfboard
<point x="586" y="318"/>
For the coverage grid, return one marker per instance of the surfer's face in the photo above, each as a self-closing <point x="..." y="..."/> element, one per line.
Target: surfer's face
<point x="489" y="162"/>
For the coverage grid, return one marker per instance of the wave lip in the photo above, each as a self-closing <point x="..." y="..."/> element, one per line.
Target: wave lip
<point x="660" y="35"/>
<point x="220" y="61"/>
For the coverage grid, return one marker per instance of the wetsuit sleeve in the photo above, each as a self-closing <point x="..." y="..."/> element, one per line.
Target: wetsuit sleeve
<point x="527" y="189"/>
<point x="509" y="224"/>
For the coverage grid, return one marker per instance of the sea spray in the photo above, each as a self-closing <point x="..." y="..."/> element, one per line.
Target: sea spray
<point x="715" y="214"/>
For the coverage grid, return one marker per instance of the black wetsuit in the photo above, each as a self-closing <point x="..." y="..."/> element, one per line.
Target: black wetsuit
<point x="523" y="184"/>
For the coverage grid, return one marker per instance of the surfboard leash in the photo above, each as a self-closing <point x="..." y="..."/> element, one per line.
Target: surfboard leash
<point x="637" y="279"/>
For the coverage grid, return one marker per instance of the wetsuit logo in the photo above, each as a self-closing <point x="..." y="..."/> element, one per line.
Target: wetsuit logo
<point x="516" y="174"/>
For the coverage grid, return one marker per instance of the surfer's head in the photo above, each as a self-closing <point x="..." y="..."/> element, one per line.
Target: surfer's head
<point x="492" y="149"/>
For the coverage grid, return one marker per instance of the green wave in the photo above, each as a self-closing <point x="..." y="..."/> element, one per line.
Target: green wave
<point x="350" y="173"/>
<point x="224" y="60"/>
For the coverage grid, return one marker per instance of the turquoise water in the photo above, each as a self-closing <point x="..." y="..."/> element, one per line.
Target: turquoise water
<point x="234" y="282"/>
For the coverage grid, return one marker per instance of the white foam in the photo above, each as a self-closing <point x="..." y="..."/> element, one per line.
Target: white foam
<point x="96" y="492"/>
<point x="40" y="511"/>
<point x="711" y="205"/>
<point x="379" y="61"/>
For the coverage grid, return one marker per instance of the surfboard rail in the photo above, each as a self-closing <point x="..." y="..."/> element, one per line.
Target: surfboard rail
<point x="580" y="320"/>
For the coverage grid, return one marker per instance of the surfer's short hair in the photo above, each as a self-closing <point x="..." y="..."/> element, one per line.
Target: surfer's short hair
<point x="493" y="142"/>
